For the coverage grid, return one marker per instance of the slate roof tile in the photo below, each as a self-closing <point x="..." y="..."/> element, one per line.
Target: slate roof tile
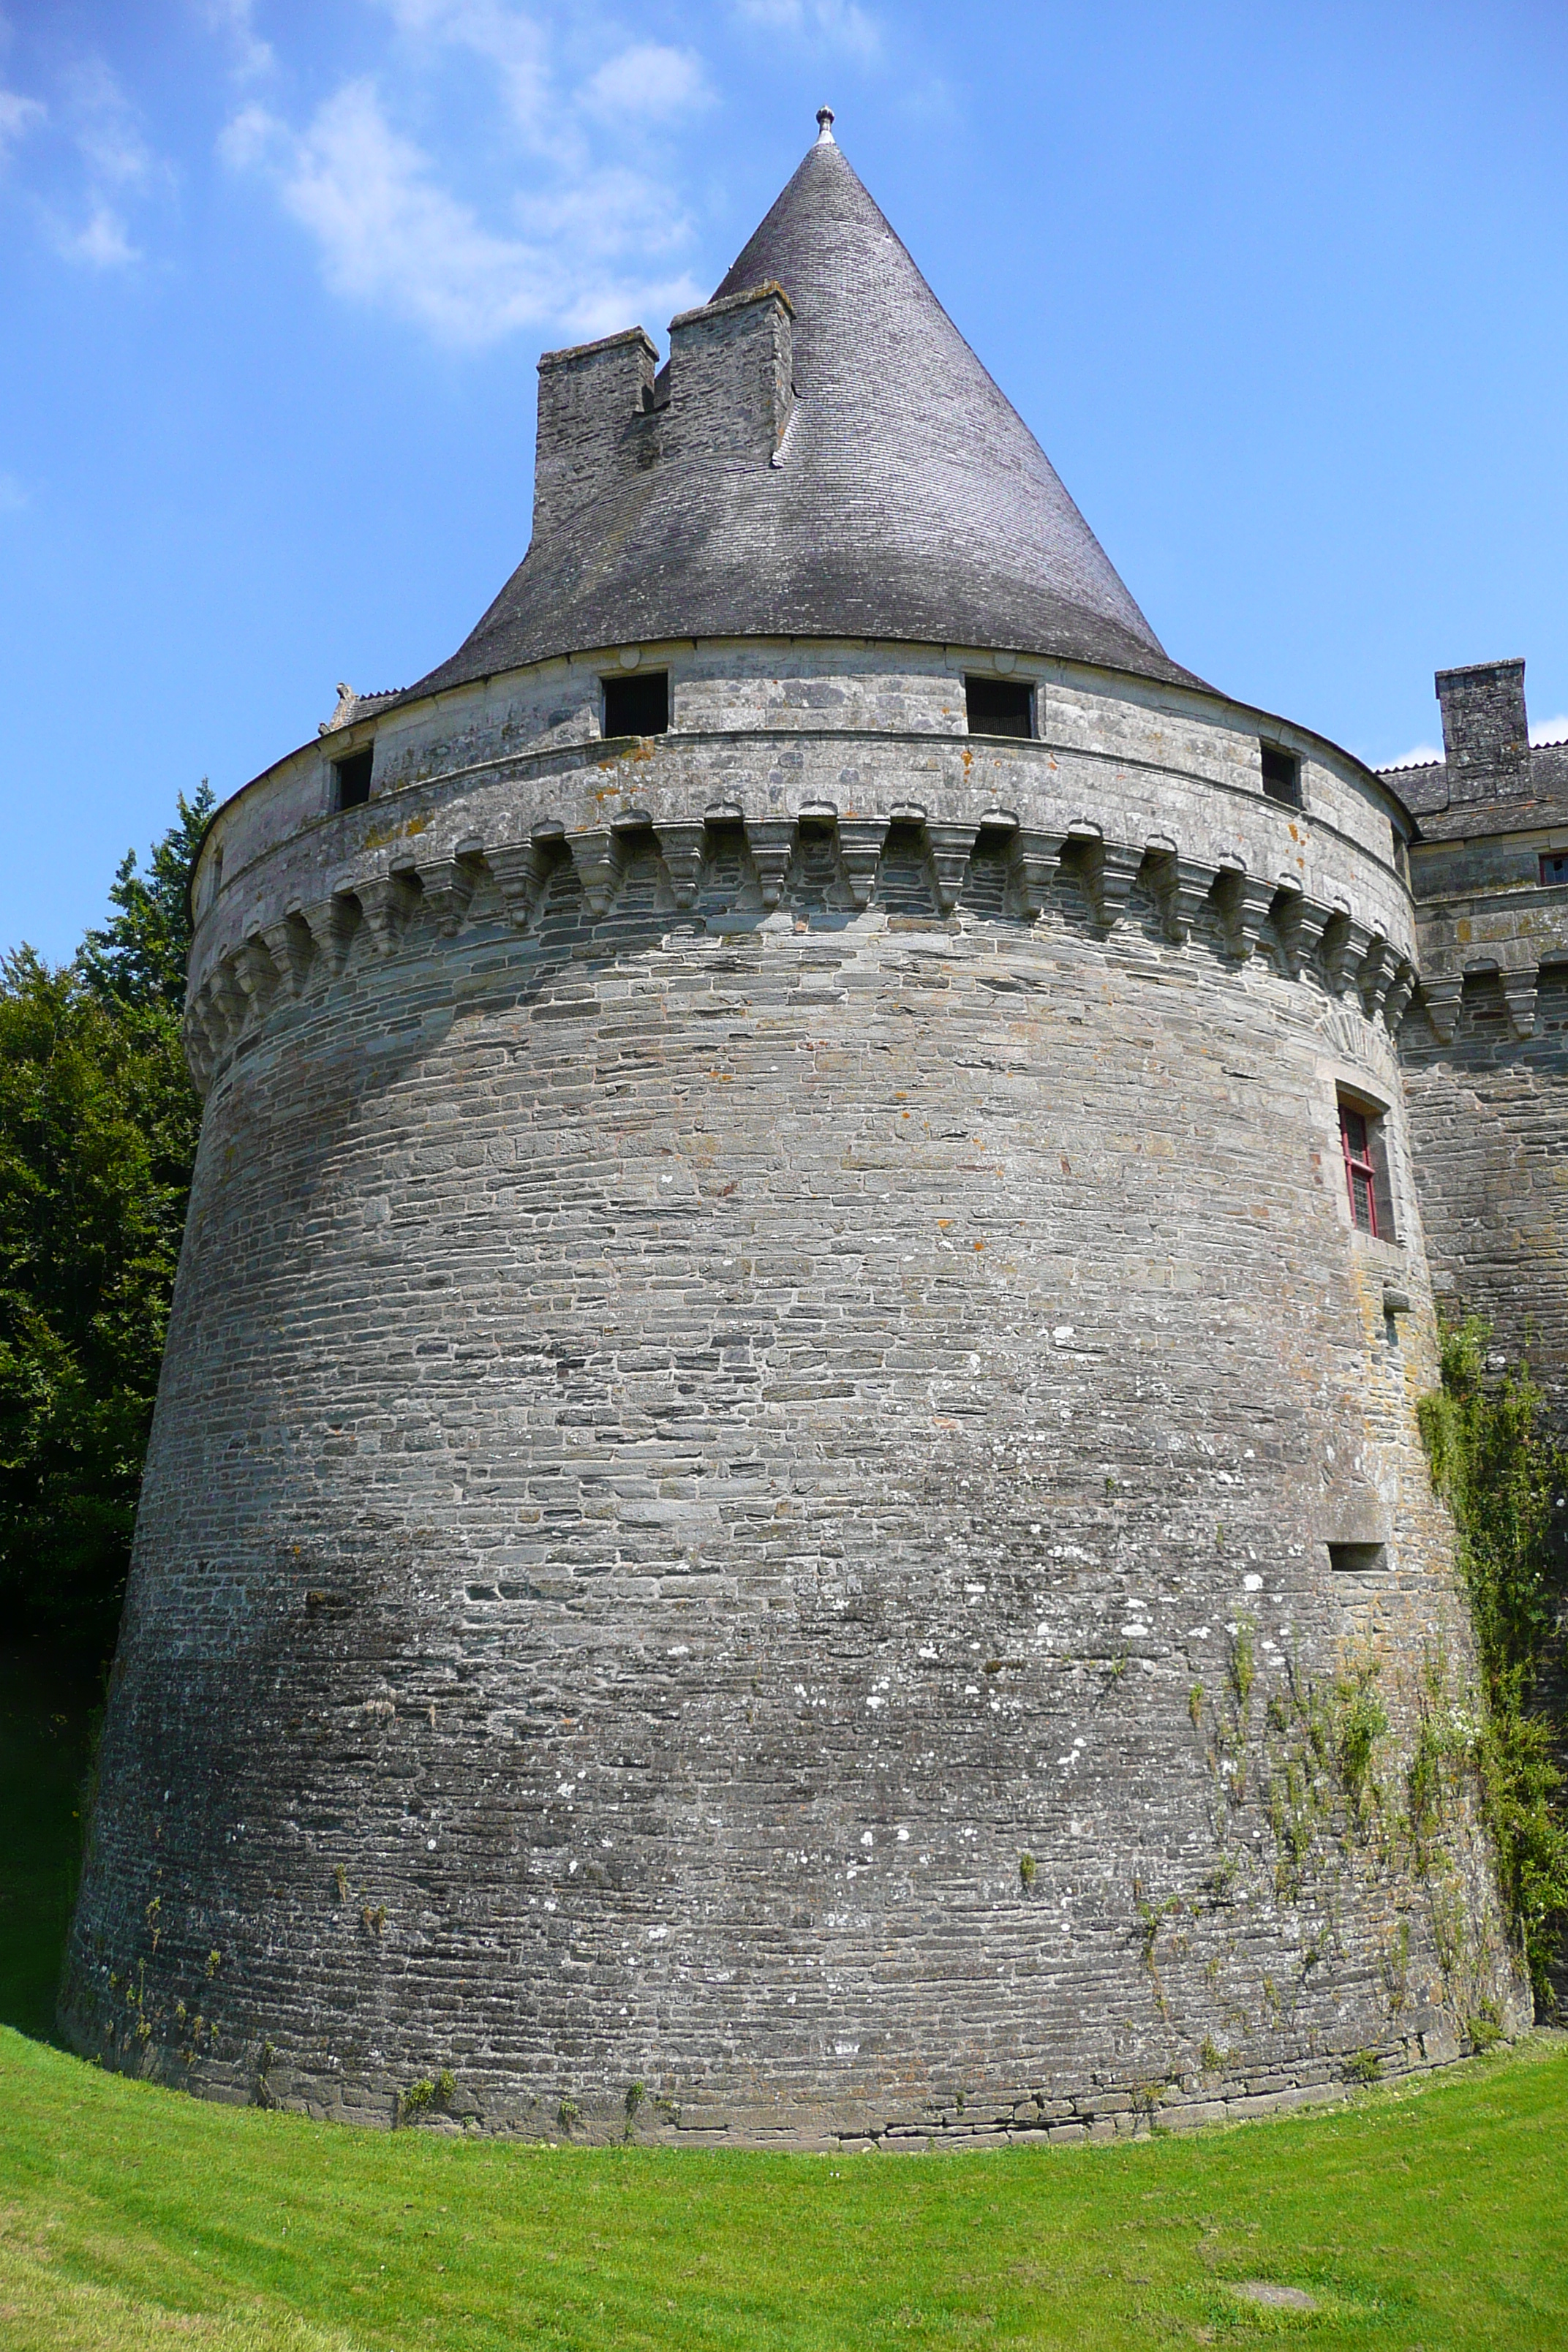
<point x="911" y="501"/>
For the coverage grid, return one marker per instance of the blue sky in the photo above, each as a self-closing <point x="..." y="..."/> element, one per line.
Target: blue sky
<point x="1279" y="287"/>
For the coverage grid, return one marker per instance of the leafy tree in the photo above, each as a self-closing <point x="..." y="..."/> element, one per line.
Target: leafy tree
<point x="97" y="1132"/>
<point x="138" y="959"/>
<point x="1503" y="1477"/>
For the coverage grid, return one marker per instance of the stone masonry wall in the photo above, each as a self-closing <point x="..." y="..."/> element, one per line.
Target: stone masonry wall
<point x="1098" y="724"/>
<point x="734" y="1540"/>
<point x="1489" y="1110"/>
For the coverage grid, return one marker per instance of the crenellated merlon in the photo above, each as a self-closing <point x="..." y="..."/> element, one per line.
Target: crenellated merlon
<point x="606" y="413"/>
<point x="592" y="890"/>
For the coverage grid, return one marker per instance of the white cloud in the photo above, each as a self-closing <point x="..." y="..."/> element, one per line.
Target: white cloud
<point x="656" y="84"/>
<point x="14" y="494"/>
<point x="398" y="224"/>
<point x="832" y="24"/>
<point x="1551" y="730"/>
<point x="106" y="129"/>
<point x="19" y="115"/>
<point x="386" y="231"/>
<point x="390" y="236"/>
<point x="234" y="18"/>
<point x="102" y="242"/>
<point x="609" y="211"/>
<point x="514" y="44"/>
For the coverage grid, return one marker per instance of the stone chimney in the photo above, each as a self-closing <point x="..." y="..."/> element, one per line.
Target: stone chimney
<point x="590" y="400"/>
<point x="1486" y="733"/>
<point x="731" y="370"/>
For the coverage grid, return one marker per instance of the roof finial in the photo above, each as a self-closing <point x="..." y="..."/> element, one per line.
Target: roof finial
<point x="824" y="127"/>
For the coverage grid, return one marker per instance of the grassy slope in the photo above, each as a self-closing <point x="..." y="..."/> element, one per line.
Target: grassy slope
<point x="1430" y="2216"/>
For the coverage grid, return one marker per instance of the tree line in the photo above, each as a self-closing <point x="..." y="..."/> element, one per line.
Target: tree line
<point x="98" y="1137"/>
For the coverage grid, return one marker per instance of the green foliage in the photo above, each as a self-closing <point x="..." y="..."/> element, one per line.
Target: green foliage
<point x="138" y="959"/>
<point x="1241" y="1664"/>
<point x="1360" y="1722"/>
<point x="432" y="2092"/>
<point x="1500" y="1474"/>
<point x="97" y="1132"/>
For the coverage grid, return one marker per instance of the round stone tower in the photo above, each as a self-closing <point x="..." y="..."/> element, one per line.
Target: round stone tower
<point x="786" y="1500"/>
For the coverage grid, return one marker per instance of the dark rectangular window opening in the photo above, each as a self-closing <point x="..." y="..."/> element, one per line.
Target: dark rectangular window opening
<point x="1281" y="775"/>
<point x="1358" y="1558"/>
<point x="999" y="706"/>
<point x="1364" y="1150"/>
<point x="1554" y="867"/>
<point x="638" y="705"/>
<point x="353" y="778"/>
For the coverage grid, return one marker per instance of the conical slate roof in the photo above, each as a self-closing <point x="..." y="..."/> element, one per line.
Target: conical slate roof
<point x="910" y="500"/>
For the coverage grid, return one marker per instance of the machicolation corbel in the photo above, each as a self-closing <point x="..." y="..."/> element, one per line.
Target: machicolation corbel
<point x="771" y="841"/>
<point x="1441" y="993"/>
<point x="1181" y="887"/>
<point x="952" y="847"/>
<point x="860" y="843"/>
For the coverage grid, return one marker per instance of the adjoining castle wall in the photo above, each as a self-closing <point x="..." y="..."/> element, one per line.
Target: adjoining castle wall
<point x="1488" y="1110"/>
<point x="741" y="1494"/>
<point x="1485" y="1046"/>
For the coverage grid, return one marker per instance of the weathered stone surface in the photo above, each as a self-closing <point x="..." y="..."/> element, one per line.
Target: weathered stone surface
<point x="691" y="1441"/>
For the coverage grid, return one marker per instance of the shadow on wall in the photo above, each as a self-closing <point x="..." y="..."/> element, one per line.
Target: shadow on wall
<point x="48" y="1711"/>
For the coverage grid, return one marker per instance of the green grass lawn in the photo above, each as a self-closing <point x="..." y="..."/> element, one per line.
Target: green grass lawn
<point x="1431" y="2215"/>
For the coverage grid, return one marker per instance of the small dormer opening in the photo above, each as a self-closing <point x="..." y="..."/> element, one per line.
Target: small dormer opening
<point x="638" y="705"/>
<point x="351" y="776"/>
<point x="1553" y="868"/>
<point x="999" y="706"/>
<point x="1281" y="775"/>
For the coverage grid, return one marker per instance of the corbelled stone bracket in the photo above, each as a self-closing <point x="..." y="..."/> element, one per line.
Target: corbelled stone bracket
<point x="771" y="840"/>
<point x="332" y="923"/>
<point x="1377" y="975"/>
<point x="1182" y="886"/>
<point x="952" y="847"/>
<point x="1037" y="860"/>
<point x="1243" y="900"/>
<point x="1301" y="923"/>
<point x="386" y="901"/>
<point x="519" y="870"/>
<point x="1108" y="869"/>
<point x="1400" y="990"/>
<point x="289" y="946"/>
<point x="860" y="840"/>
<point x="1344" y="951"/>
<point x="682" y="846"/>
<point x="1519" y="989"/>
<point x="446" y="885"/>
<point x="598" y="858"/>
<point x="1441" y="994"/>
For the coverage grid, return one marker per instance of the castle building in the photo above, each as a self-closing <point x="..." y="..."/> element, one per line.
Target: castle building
<point x="786" y="1502"/>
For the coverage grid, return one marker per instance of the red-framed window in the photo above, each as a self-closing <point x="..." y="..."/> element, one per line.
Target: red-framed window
<point x="1361" y="1176"/>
